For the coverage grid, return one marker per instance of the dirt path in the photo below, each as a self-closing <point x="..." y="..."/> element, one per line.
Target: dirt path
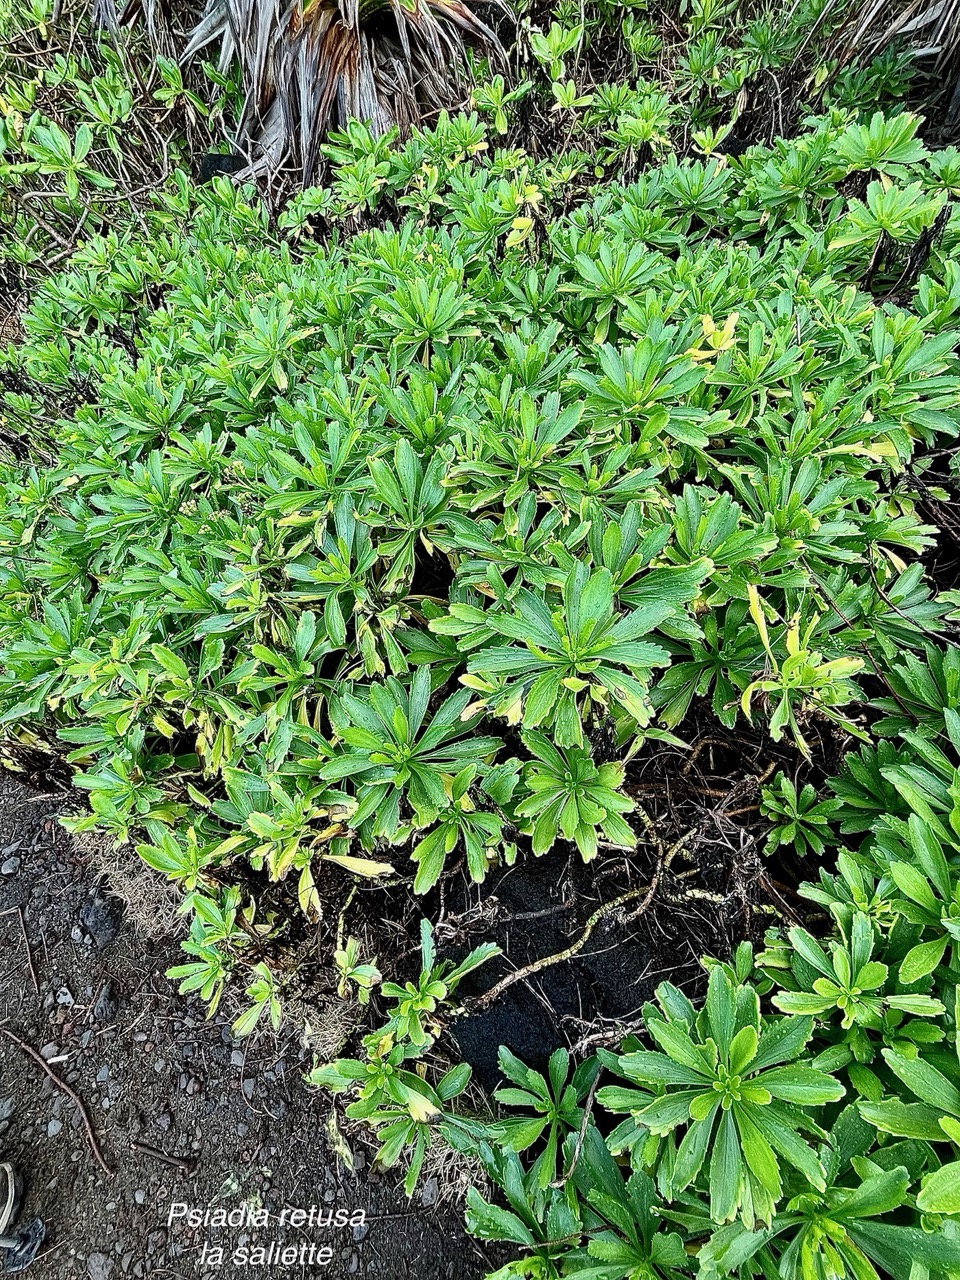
<point x="92" y="1000"/>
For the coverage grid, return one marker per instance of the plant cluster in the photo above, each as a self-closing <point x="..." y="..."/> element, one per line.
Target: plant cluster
<point x="388" y="1086"/>
<point x="804" y="1121"/>
<point x="380" y="536"/>
<point x="754" y="1144"/>
<point x="336" y="558"/>
<point x="90" y="127"/>
<point x="640" y="81"/>
<point x="85" y="134"/>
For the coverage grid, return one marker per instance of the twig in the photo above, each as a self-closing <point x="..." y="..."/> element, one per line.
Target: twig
<point x="64" y="1088"/>
<point x="697" y="750"/>
<point x="581" y="1136"/>
<point x="18" y="911"/>
<point x="613" y="1035"/>
<point x="773" y="890"/>
<point x="537" y="915"/>
<point x="715" y="793"/>
<point x="176" y="1161"/>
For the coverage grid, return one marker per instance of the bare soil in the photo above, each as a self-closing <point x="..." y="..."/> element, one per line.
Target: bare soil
<point x="183" y="1114"/>
<point x="215" y="1122"/>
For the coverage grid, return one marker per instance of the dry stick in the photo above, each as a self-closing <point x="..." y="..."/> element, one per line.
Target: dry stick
<point x="581" y="1137"/>
<point x="18" y="911"/>
<point x="772" y="889"/>
<point x="65" y="1088"/>
<point x="537" y="915"/>
<point x="144" y="1148"/>
<point x="698" y="748"/>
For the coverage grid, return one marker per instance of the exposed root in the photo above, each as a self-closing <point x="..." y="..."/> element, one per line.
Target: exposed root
<point x="487" y="998"/>
<point x="644" y="892"/>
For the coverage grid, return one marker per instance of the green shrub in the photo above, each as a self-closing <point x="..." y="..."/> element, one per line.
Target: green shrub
<point x="639" y="78"/>
<point x="388" y="1086"/>
<point x="85" y="137"/>
<point x="322" y="537"/>
<point x="799" y="819"/>
<point x="396" y="525"/>
<point x="825" y="1143"/>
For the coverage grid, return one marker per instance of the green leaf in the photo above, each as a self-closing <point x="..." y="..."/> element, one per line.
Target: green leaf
<point x="726" y="1170"/>
<point x="940" y="1191"/>
<point x="929" y="1084"/>
<point x="802" y="1085"/>
<point x="904" y="1119"/>
<point x="490" y="1222"/>
<point x="921" y="960"/>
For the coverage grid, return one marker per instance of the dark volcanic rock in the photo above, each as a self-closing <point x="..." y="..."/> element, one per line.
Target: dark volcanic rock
<point x="101" y="918"/>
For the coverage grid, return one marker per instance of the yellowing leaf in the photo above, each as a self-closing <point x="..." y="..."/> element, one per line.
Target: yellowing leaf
<point x="308" y="897"/>
<point x="359" y="866"/>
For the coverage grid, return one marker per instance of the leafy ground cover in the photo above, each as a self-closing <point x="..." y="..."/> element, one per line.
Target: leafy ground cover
<point x="396" y="534"/>
<point x="353" y="549"/>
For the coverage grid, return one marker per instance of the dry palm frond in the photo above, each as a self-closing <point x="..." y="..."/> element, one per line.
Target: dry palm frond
<point x="156" y="14"/>
<point x="928" y="29"/>
<point x="312" y="65"/>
